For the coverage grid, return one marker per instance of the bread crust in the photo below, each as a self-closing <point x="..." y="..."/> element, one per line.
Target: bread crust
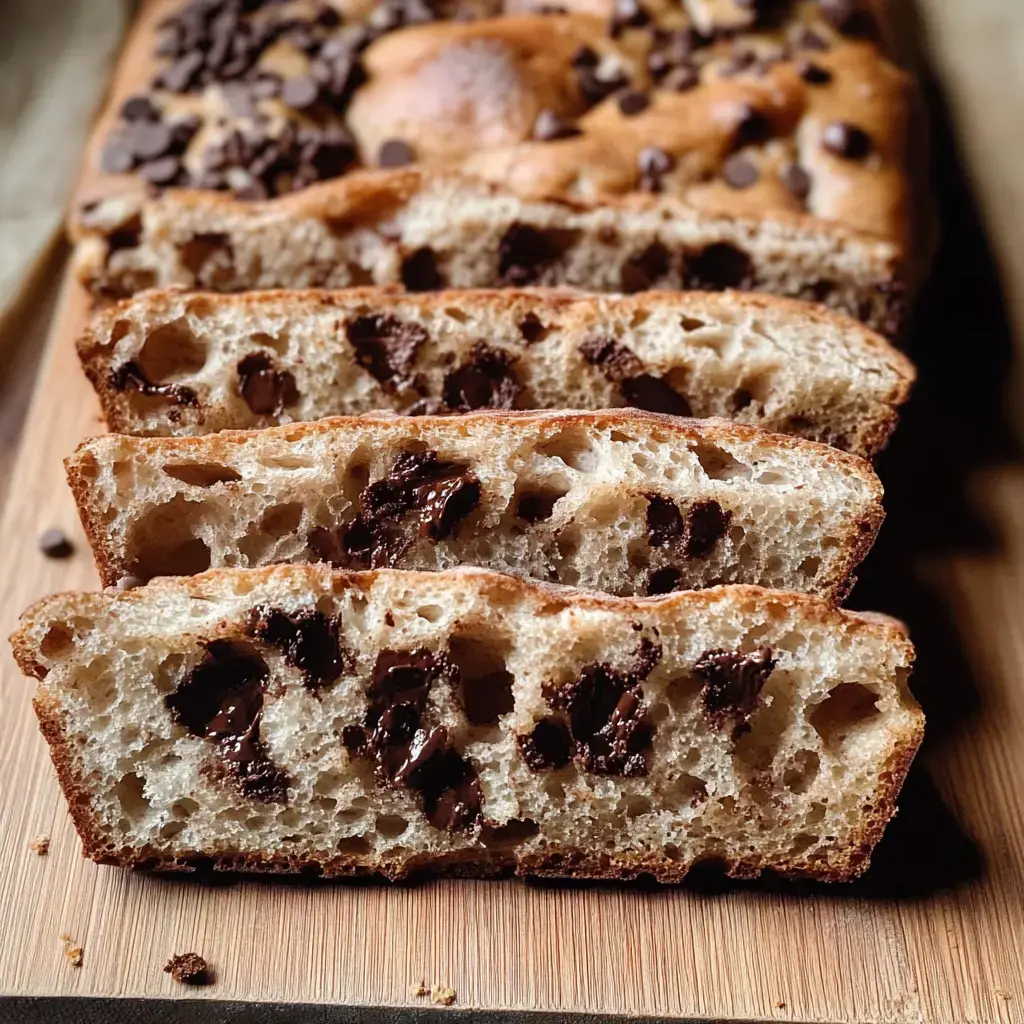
<point x="843" y="863"/>
<point x="579" y="317"/>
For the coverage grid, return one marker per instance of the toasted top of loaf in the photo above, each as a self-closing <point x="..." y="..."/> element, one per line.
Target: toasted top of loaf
<point x="789" y="107"/>
<point x="430" y="229"/>
<point x="264" y="358"/>
<point x="621" y="500"/>
<point x="755" y="728"/>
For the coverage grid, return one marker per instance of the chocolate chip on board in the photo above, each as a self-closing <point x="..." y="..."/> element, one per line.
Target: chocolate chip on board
<point x="54" y="543"/>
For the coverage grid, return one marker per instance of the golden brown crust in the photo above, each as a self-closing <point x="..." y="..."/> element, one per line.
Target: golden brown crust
<point x="839" y="864"/>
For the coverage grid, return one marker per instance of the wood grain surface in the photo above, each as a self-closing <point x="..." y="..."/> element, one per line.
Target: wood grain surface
<point x="933" y="933"/>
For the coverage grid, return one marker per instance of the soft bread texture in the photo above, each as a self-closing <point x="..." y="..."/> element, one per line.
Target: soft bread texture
<point x="781" y="365"/>
<point x="800" y="777"/>
<point x="620" y="501"/>
<point x="428" y="230"/>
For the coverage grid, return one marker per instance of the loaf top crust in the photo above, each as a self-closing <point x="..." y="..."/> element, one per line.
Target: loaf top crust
<point x="733" y="107"/>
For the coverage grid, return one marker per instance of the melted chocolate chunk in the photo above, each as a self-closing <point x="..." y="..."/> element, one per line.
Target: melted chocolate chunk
<point x="732" y="681"/>
<point x="222" y="699"/>
<point x="633" y="102"/>
<point x="309" y="640"/>
<point x="641" y="390"/>
<point x="721" y="265"/>
<point x="266" y="389"/>
<point x="524" y="253"/>
<point x="395" y="153"/>
<point x="441" y="494"/>
<point x="811" y="73"/>
<point x="386" y="347"/>
<point x="548" y="746"/>
<point x="664" y="521"/>
<point x="532" y="328"/>
<point x="663" y="581"/>
<point x="655" y="395"/>
<point x="405" y="751"/>
<point x="131" y="375"/>
<point x="486" y="381"/>
<point x="608" y="718"/>
<point x="706" y="523"/>
<point x="420" y="272"/>
<point x="642" y="269"/>
<point x="740" y="172"/>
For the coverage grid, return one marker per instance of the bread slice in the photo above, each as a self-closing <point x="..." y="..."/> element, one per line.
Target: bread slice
<point x="293" y="719"/>
<point x="621" y="501"/>
<point x="782" y="365"/>
<point x="428" y="230"/>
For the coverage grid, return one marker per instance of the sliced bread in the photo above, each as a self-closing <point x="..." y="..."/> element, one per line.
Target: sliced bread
<point x="292" y="718"/>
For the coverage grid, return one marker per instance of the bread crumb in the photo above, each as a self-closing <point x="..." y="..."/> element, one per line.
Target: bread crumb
<point x="72" y="951"/>
<point x="443" y="995"/>
<point x="40" y="845"/>
<point x="1003" y="994"/>
<point x="780" y="1005"/>
<point x="189" y="969"/>
<point x="419" y="989"/>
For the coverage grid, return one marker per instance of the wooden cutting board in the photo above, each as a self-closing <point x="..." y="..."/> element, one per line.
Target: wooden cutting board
<point x="934" y="933"/>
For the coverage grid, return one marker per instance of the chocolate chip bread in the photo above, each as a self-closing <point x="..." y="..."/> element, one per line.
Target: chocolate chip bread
<point x="621" y="501"/>
<point x="293" y="719"/>
<point x="785" y="116"/>
<point x="170" y="362"/>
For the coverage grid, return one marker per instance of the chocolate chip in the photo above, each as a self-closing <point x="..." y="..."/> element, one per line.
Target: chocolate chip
<point x="617" y="362"/>
<point x="642" y="269"/>
<point x="813" y="74"/>
<point x="266" y="389"/>
<point x="149" y="139"/>
<point x="664" y="581"/>
<point x="420" y="273"/>
<point x="732" y="681"/>
<point x="655" y="395"/>
<point x="653" y="164"/>
<point x="309" y="640"/>
<point x="550" y="126"/>
<point x="706" y="524"/>
<point x="670" y="50"/>
<point x="139" y="108"/>
<point x="595" y="83"/>
<point x="846" y="140"/>
<point x="222" y="699"/>
<point x="584" y="57"/>
<point x="485" y="381"/>
<point x="752" y="127"/>
<point x="720" y="265"/>
<point x="548" y="746"/>
<point x="165" y="171"/>
<point x="386" y="347"/>
<point x="300" y="93"/>
<point x="681" y="79"/>
<point x="117" y="157"/>
<point x="532" y="328"/>
<point x="131" y="375"/>
<point x="627" y="14"/>
<point x="664" y="521"/>
<point x="740" y="61"/>
<point x="441" y="494"/>
<point x="54" y="544"/>
<point x="797" y="181"/>
<point x="395" y="153"/>
<point x="524" y="253"/>
<point x="608" y="718"/>
<point x="182" y="74"/>
<point x="632" y="102"/>
<point x="740" y="172"/>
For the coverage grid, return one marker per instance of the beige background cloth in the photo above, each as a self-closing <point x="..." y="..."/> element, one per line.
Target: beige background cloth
<point x="55" y="57"/>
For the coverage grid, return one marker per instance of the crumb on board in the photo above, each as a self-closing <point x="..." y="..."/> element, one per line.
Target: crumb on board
<point x="189" y="969"/>
<point x="40" y="845"/>
<point x="780" y="1004"/>
<point x="443" y="995"/>
<point x="1003" y="994"/>
<point x="419" y="989"/>
<point x="72" y="950"/>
